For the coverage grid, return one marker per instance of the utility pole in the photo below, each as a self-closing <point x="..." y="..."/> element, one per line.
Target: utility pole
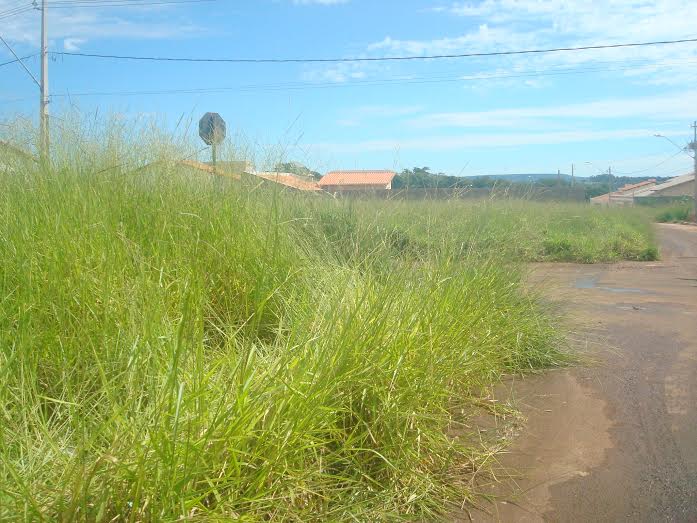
<point x="573" y="180"/>
<point x="43" y="115"/>
<point x="609" y="186"/>
<point x="694" y="156"/>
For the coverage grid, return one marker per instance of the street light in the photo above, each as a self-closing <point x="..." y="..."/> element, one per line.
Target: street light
<point x="609" y="181"/>
<point x="692" y="145"/>
<point x="683" y="149"/>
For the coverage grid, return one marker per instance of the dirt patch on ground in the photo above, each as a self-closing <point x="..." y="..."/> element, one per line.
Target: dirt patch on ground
<point x="615" y="440"/>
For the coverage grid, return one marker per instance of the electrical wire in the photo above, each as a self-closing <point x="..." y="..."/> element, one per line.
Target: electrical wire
<point x="375" y="59"/>
<point x="18" y="7"/>
<point x="409" y="80"/>
<point x="79" y="4"/>
<point x="404" y="80"/>
<point x="666" y="160"/>
<point x="120" y="3"/>
<point x="20" y="58"/>
<point x="15" y="12"/>
<point x="17" y="3"/>
<point x="135" y="2"/>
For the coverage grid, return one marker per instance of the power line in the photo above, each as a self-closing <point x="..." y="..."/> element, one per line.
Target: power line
<point x="20" y="58"/>
<point x="134" y="2"/>
<point x="81" y="4"/>
<point x="13" y="5"/>
<point x="120" y="3"/>
<point x="16" y="8"/>
<point x="665" y="160"/>
<point x="15" y="12"/>
<point x="404" y="80"/>
<point x="376" y="59"/>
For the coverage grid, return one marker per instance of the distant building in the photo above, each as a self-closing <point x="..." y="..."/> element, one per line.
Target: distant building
<point x="624" y="195"/>
<point x="357" y="181"/>
<point x="235" y="166"/>
<point x="677" y="187"/>
<point x="12" y="154"/>
<point x="208" y="168"/>
<point x="289" y="180"/>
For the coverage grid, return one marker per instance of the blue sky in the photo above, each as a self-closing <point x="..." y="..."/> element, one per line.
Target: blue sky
<point x="460" y="116"/>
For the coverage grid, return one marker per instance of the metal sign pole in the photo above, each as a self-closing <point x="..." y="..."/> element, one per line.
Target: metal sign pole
<point x="211" y="129"/>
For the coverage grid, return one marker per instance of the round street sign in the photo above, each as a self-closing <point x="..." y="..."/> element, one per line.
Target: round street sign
<point x="211" y="128"/>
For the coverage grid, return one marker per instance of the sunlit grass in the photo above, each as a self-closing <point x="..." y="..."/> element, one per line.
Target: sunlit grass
<point x="173" y="346"/>
<point x="675" y="213"/>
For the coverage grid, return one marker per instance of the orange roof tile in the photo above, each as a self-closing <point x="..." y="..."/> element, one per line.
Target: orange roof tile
<point x="208" y="168"/>
<point x="357" y="178"/>
<point x="629" y="187"/>
<point x="289" y="181"/>
<point x="625" y="189"/>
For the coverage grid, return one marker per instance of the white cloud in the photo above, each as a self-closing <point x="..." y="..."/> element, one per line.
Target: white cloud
<point x="81" y="24"/>
<point x="670" y="106"/>
<point x="372" y="111"/>
<point x="533" y="24"/>
<point x="73" y="44"/>
<point x="338" y="73"/>
<point x="357" y="116"/>
<point x="319" y="2"/>
<point x="480" y="141"/>
<point x="482" y="39"/>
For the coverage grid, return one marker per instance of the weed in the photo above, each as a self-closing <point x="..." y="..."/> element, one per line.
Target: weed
<point x="174" y="348"/>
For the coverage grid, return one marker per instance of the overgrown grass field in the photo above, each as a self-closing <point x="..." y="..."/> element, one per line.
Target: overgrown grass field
<point x="514" y="229"/>
<point x="176" y="347"/>
<point x="675" y="213"/>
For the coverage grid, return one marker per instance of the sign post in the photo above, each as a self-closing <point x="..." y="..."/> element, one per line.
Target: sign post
<point x="211" y="129"/>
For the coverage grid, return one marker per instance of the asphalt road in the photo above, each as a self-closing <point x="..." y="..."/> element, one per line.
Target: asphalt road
<point x="614" y="439"/>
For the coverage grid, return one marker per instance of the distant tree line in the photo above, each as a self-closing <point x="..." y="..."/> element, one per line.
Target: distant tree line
<point x="296" y="168"/>
<point x="423" y="178"/>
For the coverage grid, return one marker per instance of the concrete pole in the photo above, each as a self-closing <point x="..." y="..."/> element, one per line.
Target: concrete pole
<point x="44" y="126"/>
<point x="609" y="186"/>
<point x="694" y="156"/>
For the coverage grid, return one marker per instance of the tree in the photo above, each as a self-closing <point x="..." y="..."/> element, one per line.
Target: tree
<point x="296" y="168"/>
<point x="423" y="178"/>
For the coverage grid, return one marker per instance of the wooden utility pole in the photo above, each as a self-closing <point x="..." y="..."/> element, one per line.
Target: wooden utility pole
<point x="43" y="105"/>
<point x="609" y="186"/>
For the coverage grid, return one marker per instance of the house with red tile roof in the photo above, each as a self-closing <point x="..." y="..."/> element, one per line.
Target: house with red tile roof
<point x="677" y="187"/>
<point x="351" y="181"/>
<point x="290" y="181"/>
<point x="624" y="195"/>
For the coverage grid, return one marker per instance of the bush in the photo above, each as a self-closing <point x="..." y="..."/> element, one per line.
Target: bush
<point x="675" y="214"/>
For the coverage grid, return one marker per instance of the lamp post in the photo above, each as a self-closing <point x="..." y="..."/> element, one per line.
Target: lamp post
<point x="609" y="181"/>
<point x="691" y="146"/>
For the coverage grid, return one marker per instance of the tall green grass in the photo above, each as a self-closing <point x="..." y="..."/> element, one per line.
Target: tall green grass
<point x="509" y="229"/>
<point x="178" y="347"/>
<point x="174" y="350"/>
<point x="675" y="213"/>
